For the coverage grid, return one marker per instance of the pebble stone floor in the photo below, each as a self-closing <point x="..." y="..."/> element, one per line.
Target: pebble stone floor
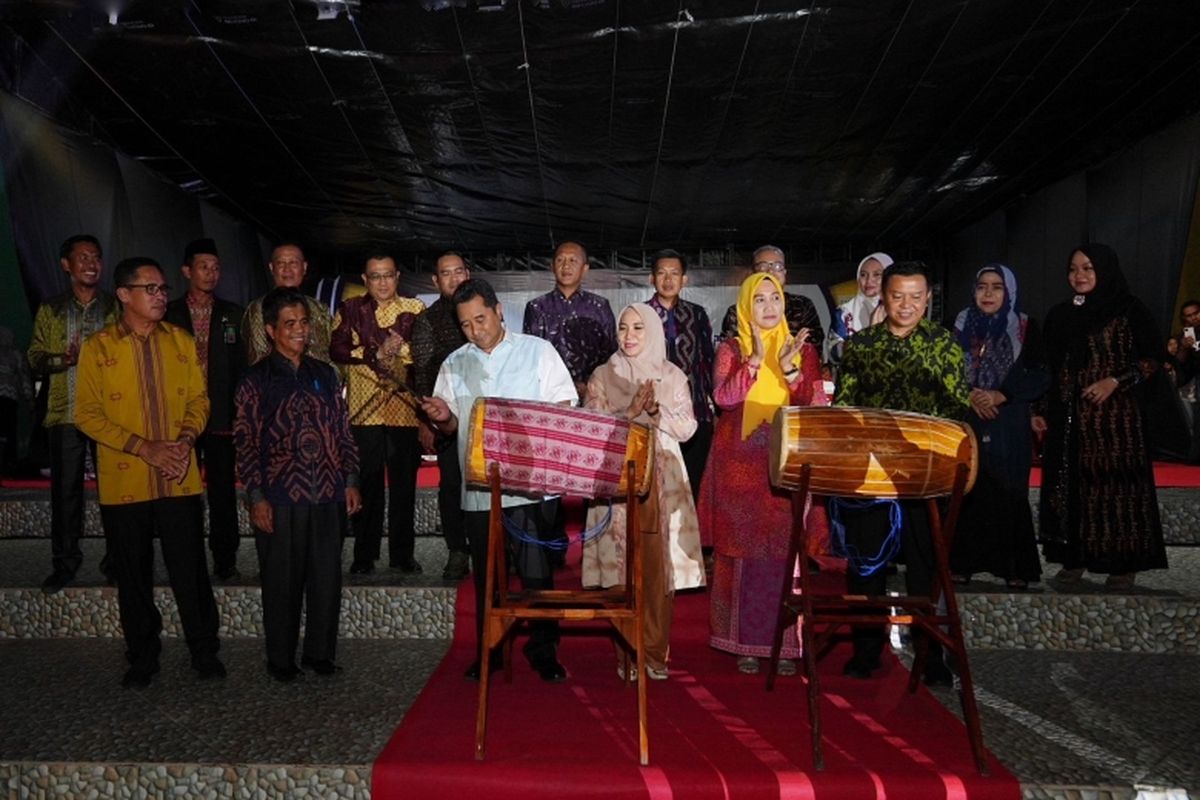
<point x="1068" y="724"/>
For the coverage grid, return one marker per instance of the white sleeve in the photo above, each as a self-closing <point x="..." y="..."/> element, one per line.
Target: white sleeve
<point x="443" y="386"/>
<point x="555" y="380"/>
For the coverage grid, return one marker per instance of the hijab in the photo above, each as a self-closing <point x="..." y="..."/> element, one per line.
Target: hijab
<point x="855" y="313"/>
<point x="1087" y="313"/>
<point x="623" y="374"/>
<point x="770" y="389"/>
<point x="992" y="342"/>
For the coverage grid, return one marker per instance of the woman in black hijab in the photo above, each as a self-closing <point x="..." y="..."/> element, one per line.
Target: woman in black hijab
<point x="1099" y="509"/>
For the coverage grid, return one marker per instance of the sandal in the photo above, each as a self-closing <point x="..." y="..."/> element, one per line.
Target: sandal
<point x="747" y="665"/>
<point x="786" y="668"/>
<point x="657" y="673"/>
<point x="960" y="580"/>
<point x="1017" y="585"/>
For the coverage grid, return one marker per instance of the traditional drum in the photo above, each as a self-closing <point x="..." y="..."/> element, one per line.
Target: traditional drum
<point x="547" y="448"/>
<point x="870" y="452"/>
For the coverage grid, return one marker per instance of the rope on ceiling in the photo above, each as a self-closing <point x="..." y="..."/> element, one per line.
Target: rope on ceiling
<point x="174" y="151"/>
<point x="662" y="128"/>
<point x="537" y="144"/>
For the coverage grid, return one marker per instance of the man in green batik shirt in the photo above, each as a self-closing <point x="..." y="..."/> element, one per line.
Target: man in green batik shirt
<point x="905" y="363"/>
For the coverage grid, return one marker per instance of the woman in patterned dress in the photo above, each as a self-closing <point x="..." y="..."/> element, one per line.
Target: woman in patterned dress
<point x="1099" y="509"/>
<point x="749" y="523"/>
<point x="640" y="383"/>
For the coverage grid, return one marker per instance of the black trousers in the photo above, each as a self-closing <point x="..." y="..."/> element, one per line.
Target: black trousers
<point x="302" y="568"/>
<point x="9" y="410"/>
<point x="178" y="524"/>
<point x="216" y="452"/>
<point x="865" y="531"/>
<point x="68" y="454"/>
<point x="450" y="495"/>
<point x="397" y="450"/>
<point x="695" y="456"/>
<point x="533" y="564"/>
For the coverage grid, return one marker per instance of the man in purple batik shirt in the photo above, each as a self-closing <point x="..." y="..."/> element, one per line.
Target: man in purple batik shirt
<point x="689" y="347"/>
<point x="579" y="324"/>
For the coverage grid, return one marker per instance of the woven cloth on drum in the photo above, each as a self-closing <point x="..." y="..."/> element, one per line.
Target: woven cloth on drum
<point x="547" y="448"/>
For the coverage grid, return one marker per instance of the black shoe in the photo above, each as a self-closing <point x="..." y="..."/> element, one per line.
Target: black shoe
<point x="362" y="568"/>
<point x="139" y="677"/>
<point x="457" y="567"/>
<point x="548" y="668"/>
<point x="860" y="667"/>
<point x="938" y="674"/>
<point x="283" y="674"/>
<point x="407" y="565"/>
<point x="56" y="581"/>
<point x="495" y="664"/>
<point x="226" y="573"/>
<point x="321" y="666"/>
<point x="208" y="667"/>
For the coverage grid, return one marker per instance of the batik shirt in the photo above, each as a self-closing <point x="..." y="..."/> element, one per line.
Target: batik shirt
<point x="62" y="321"/>
<point x="581" y="328"/>
<point x="436" y="334"/>
<point x="259" y="346"/>
<point x="292" y="433"/>
<point x="925" y="372"/>
<point x="373" y="389"/>
<point x="690" y="347"/>
<point x="133" y="389"/>
<point x="799" y="312"/>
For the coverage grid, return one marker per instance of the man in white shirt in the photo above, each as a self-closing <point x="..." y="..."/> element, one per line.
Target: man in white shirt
<point x="497" y="362"/>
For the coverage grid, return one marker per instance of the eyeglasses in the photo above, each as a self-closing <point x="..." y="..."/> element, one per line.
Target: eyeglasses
<point x="151" y="289"/>
<point x="769" y="266"/>
<point x="381" y="276"/>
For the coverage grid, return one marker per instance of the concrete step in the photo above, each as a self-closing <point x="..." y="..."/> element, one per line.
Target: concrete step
<point x="1160" y="615"/>
<point x="26" y="512"/>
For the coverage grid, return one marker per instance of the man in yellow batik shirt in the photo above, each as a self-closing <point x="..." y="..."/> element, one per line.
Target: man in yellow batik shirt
<point x="372" y="335"/>
<point x="140" y="394"/>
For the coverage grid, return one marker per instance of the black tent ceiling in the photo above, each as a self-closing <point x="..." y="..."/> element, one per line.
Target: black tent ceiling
<point x="504" y="126"/>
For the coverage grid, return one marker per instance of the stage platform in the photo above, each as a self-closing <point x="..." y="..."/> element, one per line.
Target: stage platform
<point x="1084" y="693"/>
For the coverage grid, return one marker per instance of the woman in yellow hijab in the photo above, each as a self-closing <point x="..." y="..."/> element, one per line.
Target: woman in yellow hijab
<point x="748" y="523"/>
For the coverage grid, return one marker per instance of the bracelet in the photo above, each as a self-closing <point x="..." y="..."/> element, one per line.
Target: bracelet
<point x="791" y="374"/>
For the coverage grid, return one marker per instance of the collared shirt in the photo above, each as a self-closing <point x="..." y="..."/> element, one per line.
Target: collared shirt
<point x="799" y="311"/>
<point x="60" y="322"/>
<point x="925" y="372"/>
<point x="292" y="433"/>
<point x="360" y="327"/>
<point x="259" y="346"/>
<point x="133" y="389"/>
<point x="581" y="328"/>
<point x="690" y="347"/>
<point x="201" y="308"/>
<point x="436" y="334"/>
<point x="520" y="367"/>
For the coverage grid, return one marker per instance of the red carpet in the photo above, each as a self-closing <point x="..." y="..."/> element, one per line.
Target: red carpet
<point x="713" y="733"/>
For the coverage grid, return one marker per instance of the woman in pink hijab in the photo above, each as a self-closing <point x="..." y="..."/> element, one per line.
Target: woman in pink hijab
<point x="639" y="383"/>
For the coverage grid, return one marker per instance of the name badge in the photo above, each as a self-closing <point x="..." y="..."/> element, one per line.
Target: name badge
<point x="230" y="332"/>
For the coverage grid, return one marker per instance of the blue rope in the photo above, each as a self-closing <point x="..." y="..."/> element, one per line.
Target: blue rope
<point x="524" y="536"/>
<point x="864" y="565"/>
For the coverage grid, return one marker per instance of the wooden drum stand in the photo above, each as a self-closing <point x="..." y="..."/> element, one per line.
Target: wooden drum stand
<point x="885" y="454"/>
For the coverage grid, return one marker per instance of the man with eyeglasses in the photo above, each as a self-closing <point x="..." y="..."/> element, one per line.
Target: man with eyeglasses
<point x="215" y="325"/>
<point x="288" y="268"/>
<point x="62" y="324"/>
<point x="372" y="337"/>
<point x="141" y="396"/>
<point x="798" y="309"/>
<point x="436" y="334"/>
